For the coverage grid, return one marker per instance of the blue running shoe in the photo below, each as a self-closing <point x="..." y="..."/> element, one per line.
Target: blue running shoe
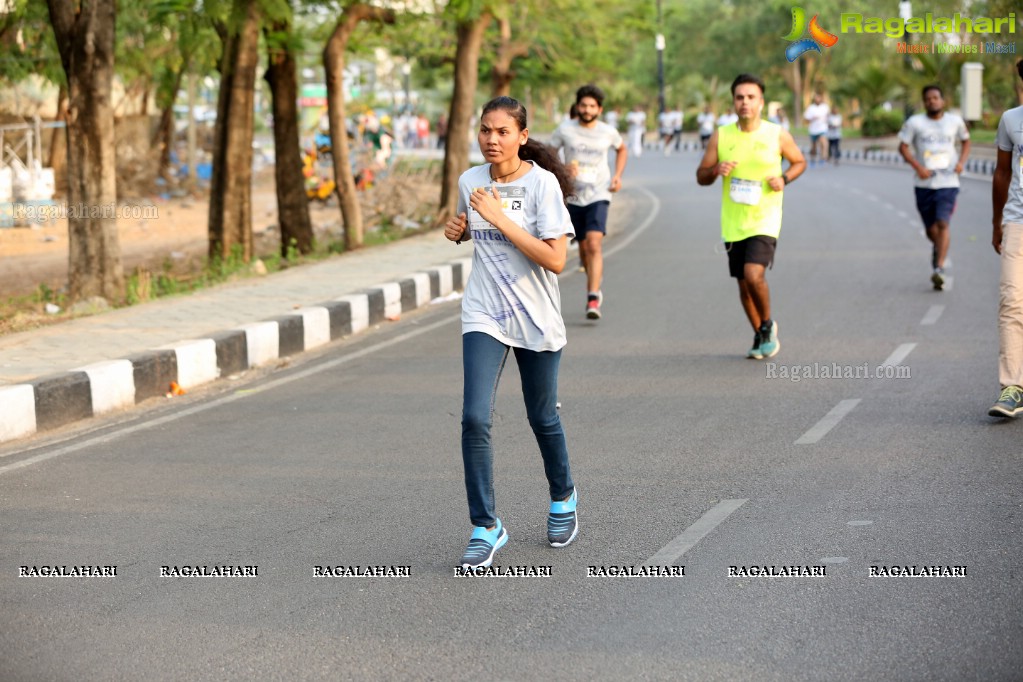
<point x="562" y="521"/>
<point x="483" y="544"/>
<point x="754" y="352"/>
<point x="769" y="344"/>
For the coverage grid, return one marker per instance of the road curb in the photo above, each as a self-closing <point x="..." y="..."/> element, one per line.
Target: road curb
<point x="61" y="399"/>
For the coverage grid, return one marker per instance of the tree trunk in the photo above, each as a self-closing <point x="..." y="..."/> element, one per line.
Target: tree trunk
<point x="85" y="35"/>
<point x="292" y="203"/>
<point x="164" y="135"/>
<point x="58" y="146"/>
<point x="334" y="64"/>
<point x="230" y="227"/>
<point x="501" y="74"/>
<point x="456" y="152"/>
<point x="796" y="83"/>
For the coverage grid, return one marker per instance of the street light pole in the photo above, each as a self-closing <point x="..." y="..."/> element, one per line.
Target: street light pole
<point x="659" y="44"/>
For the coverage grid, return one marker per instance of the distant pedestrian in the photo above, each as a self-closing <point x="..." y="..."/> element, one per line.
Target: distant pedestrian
<point x="513" y="208"/>
<point x="636" y="120"/>
<point x="422" y="131"/>
<point x="727" y="118"/>
<point x="705" y="123"/>
<point x="612" y="118"/>
<point x="834" y="136"/>
<point x="816" y="117"/>
<point x="586" y="142"/>
<point x="1007" y="238"/>
<point x="442" y="131"/>
<point x="666" y="129"/>
<point x="671" y="128"/>
<point x="928" y="143"/>
<point x="747" y="156"/>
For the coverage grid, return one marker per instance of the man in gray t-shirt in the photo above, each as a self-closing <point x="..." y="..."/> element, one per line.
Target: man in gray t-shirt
<point x="585" y="143"/>
<point x="1007" y="238"/>
<point x="933" y="156"/>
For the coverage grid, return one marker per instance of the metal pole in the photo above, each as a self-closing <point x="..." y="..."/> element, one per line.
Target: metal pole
<point x="659" y="44"/>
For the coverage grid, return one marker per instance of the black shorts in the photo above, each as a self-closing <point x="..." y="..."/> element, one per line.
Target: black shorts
<point x="758" y="249"/>
<point x="591" y="217"/>
<point x="936" y="204"/>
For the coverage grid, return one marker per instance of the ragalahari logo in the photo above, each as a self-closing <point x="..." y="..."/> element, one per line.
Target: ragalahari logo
<point x="818" y="36"/>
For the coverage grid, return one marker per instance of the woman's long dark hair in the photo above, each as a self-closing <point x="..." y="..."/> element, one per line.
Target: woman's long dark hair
<point x="546" y="157"/>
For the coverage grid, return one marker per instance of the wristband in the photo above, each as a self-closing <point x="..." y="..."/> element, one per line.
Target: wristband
<point x="785" y="179"/>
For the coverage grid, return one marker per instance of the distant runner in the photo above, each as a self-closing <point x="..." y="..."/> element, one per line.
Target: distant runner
<point x="933" y="136"/>
<point x="586" y="142"/>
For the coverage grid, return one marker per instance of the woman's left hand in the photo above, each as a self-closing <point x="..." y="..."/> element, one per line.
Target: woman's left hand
<point x="487" y="204"/>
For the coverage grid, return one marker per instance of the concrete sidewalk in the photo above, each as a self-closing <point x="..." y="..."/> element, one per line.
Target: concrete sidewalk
<point x="57" y="375"/>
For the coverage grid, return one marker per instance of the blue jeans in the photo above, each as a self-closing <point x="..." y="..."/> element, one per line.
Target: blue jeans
<point x="483" y="359"/>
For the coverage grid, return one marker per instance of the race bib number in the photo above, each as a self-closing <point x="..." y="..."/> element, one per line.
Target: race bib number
<point x="745" y="191"/>
<point x="513" y="200"/>
<point x="937" y="161"/>
<point x="587" y="174"/>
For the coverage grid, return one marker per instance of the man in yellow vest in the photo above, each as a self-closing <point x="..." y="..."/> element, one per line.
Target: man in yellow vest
<point x="747" y="155"/>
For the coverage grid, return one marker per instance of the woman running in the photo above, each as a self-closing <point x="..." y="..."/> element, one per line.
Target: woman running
<point x="513" y="207"/>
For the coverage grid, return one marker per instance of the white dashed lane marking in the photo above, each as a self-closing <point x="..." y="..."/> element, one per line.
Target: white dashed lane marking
<point x="674" y="550"/>
<point x="899" y="354"/>
<point x="830" y="421"/>
<point x="933" y="314"/>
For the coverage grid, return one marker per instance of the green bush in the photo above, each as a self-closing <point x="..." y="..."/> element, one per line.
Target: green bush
<point x="878" y="123"/>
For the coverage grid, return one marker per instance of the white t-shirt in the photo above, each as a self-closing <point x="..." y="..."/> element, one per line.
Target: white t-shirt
<point x="934" y="145"/>
<point x="1010" y="138"/>
<point x="706" y="123"/>
<point x="509" y="296"/>
<point x="817" y="115"/>
<point x="636" y="120"/>
<point x="586" y="149"/>
<point x="727" y="118"/>
<point x="834" y="126"/>
<point x="666" y="121"/>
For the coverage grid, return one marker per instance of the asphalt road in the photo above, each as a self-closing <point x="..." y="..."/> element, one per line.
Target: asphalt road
<point x="683" y="452"/>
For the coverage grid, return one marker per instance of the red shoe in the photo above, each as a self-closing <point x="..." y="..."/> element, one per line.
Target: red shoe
<point x="593" y="306"/>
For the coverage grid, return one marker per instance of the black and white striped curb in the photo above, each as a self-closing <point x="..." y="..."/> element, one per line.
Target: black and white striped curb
<point x="60" y="399"/>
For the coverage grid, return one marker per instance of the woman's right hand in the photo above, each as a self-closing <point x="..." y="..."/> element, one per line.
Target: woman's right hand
<point x="455" y="227"/>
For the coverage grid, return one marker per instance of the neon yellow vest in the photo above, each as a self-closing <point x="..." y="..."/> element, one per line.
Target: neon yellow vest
<point x="759" y="156"/>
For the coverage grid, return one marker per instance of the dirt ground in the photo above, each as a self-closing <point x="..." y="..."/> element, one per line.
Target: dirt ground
<point x="36" y="255"/>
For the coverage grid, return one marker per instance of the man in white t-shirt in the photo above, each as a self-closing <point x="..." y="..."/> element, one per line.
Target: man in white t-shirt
<point x="727" y="118"/>
<point x="636" y="120"/>
<point x="612" y="117"/>
<point x="933" y="156"/>
<point x="1007" y="238"/>
<point x="834" y="137"/>
<point x="670" y="124"/>
<point x="586" y="142"/>
<point x="816" y="116"/>
<point x="705" y="122"/>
